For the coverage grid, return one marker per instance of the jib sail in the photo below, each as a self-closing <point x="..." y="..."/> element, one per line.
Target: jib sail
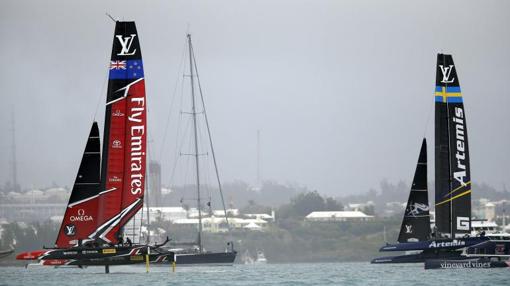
<point x="123" y="162"/>
<point x="453" y="176"/>
<point x="81" y="213"/>
<point x="416" y="222"/>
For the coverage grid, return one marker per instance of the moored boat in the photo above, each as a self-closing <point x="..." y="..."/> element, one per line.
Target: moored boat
<point x="196" y="253"/>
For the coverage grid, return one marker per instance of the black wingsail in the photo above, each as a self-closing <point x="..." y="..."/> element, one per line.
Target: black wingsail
<point x="416" y="222"/>
<point x="453" y="176"/>
<point x="81" y="212"/>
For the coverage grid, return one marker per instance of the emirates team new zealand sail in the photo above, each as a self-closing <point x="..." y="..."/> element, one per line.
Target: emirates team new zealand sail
<point x="105" y="198"/>
<point x="123" y="172"/>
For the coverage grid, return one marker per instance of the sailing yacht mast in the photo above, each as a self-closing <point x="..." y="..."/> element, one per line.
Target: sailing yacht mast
<point x="194" y="114"/>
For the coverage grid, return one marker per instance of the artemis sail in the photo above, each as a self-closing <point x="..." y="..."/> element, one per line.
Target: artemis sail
<point x="453" y="176"/>
<point x="123" y="162"/>
<point x="416" y="222"/>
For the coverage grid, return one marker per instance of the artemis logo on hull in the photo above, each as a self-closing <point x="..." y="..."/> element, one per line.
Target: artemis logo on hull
<point x="460" y="172"/>
<point x="446" y="71"/>
<point x="452" y="243"/>
<point x="126" y="43"/>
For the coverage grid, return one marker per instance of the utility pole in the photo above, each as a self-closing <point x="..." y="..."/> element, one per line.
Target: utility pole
<point x="15" y="187"/>
<point x="258" y="158"/>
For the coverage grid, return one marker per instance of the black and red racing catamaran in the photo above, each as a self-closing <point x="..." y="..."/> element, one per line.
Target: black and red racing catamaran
<point x="107" y="193"/>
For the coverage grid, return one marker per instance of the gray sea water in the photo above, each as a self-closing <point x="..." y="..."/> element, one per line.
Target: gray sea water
<point x="269" y="274"/>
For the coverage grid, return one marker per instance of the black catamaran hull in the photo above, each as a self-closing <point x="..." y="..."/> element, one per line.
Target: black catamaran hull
<point x="438" y="244"/>
<point x="105" y="255"/>
<point x="209" y="258"/>
<point x="481" y="263"/>
<point x="110" y="261"/>
<point x="419" y="257"/>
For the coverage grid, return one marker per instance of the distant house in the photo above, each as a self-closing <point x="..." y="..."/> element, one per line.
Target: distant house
<point x="264" y="216"/>
<point x="219" y="224"/>
<point x="167" y="213"/>
<point x="338" y="216"/>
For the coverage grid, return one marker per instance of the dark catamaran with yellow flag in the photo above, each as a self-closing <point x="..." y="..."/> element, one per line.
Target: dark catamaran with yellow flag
<point x="106" y="196"/>
<point x="452" y="176"/>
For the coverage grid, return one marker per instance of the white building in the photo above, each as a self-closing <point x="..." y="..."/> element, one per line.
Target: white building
<point x="338" y="216"/>
<point x="167" y="213"/>
<point x="264" y="216"/>
<point x="219" y="224"/>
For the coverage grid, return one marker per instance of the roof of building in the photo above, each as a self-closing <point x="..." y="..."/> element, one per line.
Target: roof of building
<point x="167" y="209"/>
<point x="338" y="214"/>
<point x="266" y="216"/>
<point x="482" y="223"/>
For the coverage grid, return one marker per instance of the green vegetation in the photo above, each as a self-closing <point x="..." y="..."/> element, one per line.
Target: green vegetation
<point x="303" y="241"/>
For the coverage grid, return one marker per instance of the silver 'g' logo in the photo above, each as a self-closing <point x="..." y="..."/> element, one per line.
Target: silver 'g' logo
<point x="70" y="230"/>
<point x="447" y="71"/>
<point x="409" y="228"/>
<point x="126" y="43"/>
<point x="463" y="223"/>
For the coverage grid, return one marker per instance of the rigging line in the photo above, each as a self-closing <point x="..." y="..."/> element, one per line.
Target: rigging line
<point x="210" y="139"/>
<point x="103" y="89"/>
<point x="148" y="185"/>
<point x="177" y="146"/>
<point x="187" y="166"/>
<point x="205" y="171"/>
<point x="428" y="117"/>
<point x="111" y="17"/>
<point x="172" y="100"/>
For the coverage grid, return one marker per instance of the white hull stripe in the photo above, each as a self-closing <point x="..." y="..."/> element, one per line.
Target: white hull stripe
<point x="105" y="228"/>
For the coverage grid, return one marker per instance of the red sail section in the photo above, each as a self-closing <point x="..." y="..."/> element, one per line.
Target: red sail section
<point x="123" y="165"/>
<point x="134" y="182"/>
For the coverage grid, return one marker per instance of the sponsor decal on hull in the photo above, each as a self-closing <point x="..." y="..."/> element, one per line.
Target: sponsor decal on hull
<point x="466" y="264"/>
<point x="441" y="244"/>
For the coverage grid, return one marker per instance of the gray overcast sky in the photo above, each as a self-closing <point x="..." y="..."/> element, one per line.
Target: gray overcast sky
<point x="341" y="90"/>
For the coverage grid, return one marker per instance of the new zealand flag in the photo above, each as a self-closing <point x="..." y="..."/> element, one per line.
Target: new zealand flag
<point x="127" y="69"/>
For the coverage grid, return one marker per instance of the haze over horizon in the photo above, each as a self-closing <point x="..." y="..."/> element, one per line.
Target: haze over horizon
<point x="342" y="91"/>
